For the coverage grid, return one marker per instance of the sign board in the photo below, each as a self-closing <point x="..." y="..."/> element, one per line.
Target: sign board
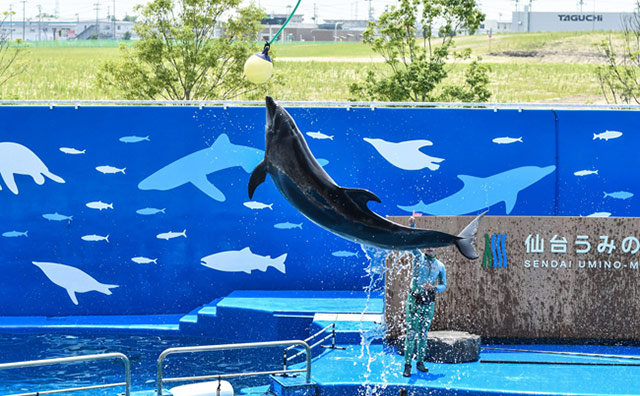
<point x="537" y="277"/>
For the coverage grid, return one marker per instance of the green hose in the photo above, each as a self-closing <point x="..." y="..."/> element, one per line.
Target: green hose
<point x="285" y="23"/>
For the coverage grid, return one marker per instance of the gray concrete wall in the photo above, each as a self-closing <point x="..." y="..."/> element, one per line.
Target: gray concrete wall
<point x="560" y="292"/>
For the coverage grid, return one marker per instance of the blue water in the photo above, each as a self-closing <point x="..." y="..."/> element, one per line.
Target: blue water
<point x="143" y="352"/>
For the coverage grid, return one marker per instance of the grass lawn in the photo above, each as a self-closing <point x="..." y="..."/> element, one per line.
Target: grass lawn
<point x="324" y="71"/>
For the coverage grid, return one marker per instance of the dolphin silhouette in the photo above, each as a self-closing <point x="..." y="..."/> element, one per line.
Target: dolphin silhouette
<point x="195" y="167"/>
<point x="72" y="279"/>
<point x="16" y="159"/>
<point x="343" y="211"/>
<point x="481" y="193"/>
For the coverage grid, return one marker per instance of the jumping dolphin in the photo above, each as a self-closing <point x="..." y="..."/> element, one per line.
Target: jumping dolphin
<point x="343" y="211"/>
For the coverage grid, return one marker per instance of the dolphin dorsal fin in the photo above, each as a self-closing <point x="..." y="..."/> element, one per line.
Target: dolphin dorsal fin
<point x="361" y="197"/>
<point x="466" y="179"/>
<point x="223" y="139"/>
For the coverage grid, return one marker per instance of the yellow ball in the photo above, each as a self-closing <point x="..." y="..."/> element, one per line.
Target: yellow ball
<point x="257" y="69"/>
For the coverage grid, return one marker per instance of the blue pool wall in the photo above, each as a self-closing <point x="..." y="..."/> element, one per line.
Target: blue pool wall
<point x="168" y="169"/>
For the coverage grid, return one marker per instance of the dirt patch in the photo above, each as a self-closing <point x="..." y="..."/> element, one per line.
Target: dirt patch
<point x="551" y="56"/>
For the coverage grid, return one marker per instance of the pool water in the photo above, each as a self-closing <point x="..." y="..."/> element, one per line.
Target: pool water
<point x="142" y="351"/>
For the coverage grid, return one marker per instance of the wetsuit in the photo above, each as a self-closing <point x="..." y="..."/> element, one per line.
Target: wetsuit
<point x="419" y="316"/>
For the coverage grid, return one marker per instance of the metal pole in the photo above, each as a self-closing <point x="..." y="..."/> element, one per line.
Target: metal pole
<point x="24" y="21"/>
<point x="212" y="348"/>
<point x="39" y="20"/>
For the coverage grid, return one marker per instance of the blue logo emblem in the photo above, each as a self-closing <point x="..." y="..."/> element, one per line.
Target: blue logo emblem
<point x="495" y="253"/>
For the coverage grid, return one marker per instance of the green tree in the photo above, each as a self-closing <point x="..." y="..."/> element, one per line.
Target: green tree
<point x="10" y="65"/>
<point x="417" y="70"/>
<point x="182" y="56"/>
<point x="619" y="77"/>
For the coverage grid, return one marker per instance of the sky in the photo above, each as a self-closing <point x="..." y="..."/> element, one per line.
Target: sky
<point x="326" y="9"/>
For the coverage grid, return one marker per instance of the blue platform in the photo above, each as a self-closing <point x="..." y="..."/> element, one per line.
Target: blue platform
<point x="285" y="315"/>
<point x="360" y="367"/>
<point x="377" y="368"/>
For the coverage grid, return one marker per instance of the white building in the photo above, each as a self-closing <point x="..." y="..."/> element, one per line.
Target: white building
<point x="50" y="29"/>
<point x="525" y="21"/>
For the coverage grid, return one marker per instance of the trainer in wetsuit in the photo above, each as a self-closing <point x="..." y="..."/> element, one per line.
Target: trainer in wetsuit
<point x="428" y="276"/>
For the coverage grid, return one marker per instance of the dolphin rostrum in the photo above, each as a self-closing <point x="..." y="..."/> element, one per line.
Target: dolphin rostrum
<point x="343" y="211"/>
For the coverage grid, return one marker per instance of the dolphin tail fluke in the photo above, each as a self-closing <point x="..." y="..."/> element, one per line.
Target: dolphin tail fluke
<point x="468" y="237"/>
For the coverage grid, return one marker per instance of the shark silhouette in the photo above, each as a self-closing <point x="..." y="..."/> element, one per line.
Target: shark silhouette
<point x="72" y="279"/>
<point x="481" y="193"/>
<point x="16" y="159"/>
<point x="406" y="155"/>
<point x="195" y="167"/>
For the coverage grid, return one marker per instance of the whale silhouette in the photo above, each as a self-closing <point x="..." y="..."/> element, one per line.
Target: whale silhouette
<point x="72" y="279"/>
<point x="481" y="193"/>
<point x="195" y="167"/>
<point x="342" y="211"/>
<point x="16" y="159"/>
<point x="406" y="155"/>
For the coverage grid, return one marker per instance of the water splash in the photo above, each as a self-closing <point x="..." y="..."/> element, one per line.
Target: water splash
<point x="377" y="271"/>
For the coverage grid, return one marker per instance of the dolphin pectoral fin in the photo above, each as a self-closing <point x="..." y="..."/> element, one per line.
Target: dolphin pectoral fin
<point x="72" y="295"/>
<point x="257" y="177"/>
<point x="206" y="187"/>
<point x="10" y="182"/>
<point x="467" y="238"/>
<point x="510" y="202"/>
<point x="361" y="197"/>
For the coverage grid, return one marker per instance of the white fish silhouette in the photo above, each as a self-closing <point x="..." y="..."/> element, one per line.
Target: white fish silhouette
<point x="150" y="211"/>
<point x="134" y="139"/>
<point x="618" y="195"/>
<point x="243" y="261"/>
<point x="319" y="135"/>
<point x="72" y="279"/>
<point x="586" y="172"/>
<point x="144" y="260"/>
<point x="56" y="217"/>
<point x="344" y="253"/>
<point x="171" y="235"/>
<point x="507" y="140"/>
<point x="606" y="135"/>
<point x="107" y="169"/>
<point x="406" y="155"/>
<point x="287" y="226"/>
<point x="600" y="214"/>
<point x="99" y="205"/>
<point x="72" y="151"/>
<point x="95" y="238"/>
<point x="14" y="234"/>
<point x="257" y="205"/>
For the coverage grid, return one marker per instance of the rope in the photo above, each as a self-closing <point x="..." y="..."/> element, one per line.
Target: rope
<point x="284" y="24"/>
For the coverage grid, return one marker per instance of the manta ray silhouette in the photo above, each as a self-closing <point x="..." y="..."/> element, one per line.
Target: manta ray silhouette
<point x="343" y="211"/>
